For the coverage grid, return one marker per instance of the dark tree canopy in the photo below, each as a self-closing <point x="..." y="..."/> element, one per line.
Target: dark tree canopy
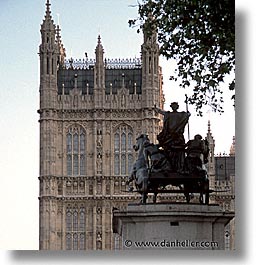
<point x="200" y="35"/>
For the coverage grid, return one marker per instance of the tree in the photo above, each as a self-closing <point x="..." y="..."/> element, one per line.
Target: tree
<point x="200" y="35"/>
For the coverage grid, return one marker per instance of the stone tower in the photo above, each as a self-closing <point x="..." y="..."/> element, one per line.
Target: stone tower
<point x="91" y="112"/>
<point x="211" y="159"/>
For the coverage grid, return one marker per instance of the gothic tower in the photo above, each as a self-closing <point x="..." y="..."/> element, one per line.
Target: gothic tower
<point x="211" y="159"/>
<point x="91" y="112"/>
<point x="49" y="54"/>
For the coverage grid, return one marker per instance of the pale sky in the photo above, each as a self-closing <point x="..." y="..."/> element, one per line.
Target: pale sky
<point x="81" y="21"/>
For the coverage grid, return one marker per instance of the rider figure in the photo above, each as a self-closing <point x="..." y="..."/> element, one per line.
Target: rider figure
<point x="174" y="125"/>
<point x="197" y="153"/>
<point x="171" y="138"/>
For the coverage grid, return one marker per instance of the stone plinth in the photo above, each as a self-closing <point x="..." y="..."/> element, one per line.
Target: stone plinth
<point x="171" y="226"/>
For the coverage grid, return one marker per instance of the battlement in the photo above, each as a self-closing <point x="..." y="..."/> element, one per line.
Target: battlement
<point x="83" y="64"/>
<point x="79" y="64"/>
<point x="131" y="63"/>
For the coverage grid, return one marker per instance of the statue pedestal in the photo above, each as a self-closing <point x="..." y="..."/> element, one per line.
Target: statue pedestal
<point x="171" y="226"/>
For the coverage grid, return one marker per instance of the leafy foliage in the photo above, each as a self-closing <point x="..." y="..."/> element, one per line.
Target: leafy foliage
<point x="200" y="35"/>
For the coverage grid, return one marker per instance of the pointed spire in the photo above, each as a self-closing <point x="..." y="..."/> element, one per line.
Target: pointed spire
<point x="149" y="31"/>
<point x="60" y="45"/>
<point x="48" y="23"/>
<point x="209" y="127"/>
<point x="99" y="44"/>
<point x="209" y="136"/>
<point x="58" y="36"/>
<point x="48" y="7"/>
<point x="99" y="65"/>
<point x="48" y="11"/>
<point x="99" y="51"/>
<point x="232" y="151"/>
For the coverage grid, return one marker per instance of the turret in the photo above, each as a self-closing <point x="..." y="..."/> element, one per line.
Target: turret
<point x="232" y="151"/>
<point x="211" y="159"/>
<point x="60" y="47"/>
<point x="99" y="75"/>
<point x="150" y="68"/>
<point x="49" y="56"/>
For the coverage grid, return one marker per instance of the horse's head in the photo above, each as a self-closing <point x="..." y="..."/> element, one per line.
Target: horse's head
<point x="140" y="141"/>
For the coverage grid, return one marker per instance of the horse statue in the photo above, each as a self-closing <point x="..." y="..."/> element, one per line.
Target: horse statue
<point x="151" y="160"/>
<point x="140" y="171"/>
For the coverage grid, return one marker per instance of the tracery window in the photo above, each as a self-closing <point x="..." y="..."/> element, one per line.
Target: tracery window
<point x="75" y="241"/>
<point x="68" y="241"/>
<point x="117" y="164"/>
<point x="82" y="241"/>
<point x="130" y="163"/>
<point x="123" y="164"/>
<point x="76" y="151"/>
<point x="123" y="150"/>
<point x="68" y="220"/>
<point x="75" y="228"/>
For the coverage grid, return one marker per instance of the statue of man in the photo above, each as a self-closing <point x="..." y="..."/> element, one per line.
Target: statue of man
<point x="197" y="153"/>
<point x="173" y="126"/>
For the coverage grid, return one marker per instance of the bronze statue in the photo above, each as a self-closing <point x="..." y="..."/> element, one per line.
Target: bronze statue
<point x="197" y="151"/>
<point x="159" y="166"/>
<point x="171" y="138"/>
<point x="174" y="125"/>
<point x="140" y="174"/>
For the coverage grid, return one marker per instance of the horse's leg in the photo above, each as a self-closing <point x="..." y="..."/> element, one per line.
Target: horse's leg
<point x="155" y="197"/>
<point x="206" y="191"/>
<point x="201" y="197"/>
<point x="144" y="190"/>
<point x="187" y="193"/>
<point x="144" y="198"/>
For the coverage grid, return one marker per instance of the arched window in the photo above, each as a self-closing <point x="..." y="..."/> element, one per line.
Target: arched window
<point x="68" y="241"/>
<point x="123" y="164"/>
<point x="123" y="144"/>
<point x="82" y="142"/>
<point x="75" y="165"/>
<point x="76" y="151"/>
<point x="75" y="143"/>
<point x="68" y="220"/>
<point x="69" y="164"/>
<point x="82" y="165"/>
<point x="130" y="163"/>
<point x="75" y="228"/>
<point x="75" y="221"/>
<point x="117" y="142"/>
<point x="47" y="65"/>
<point x="123" y="147"/>
<point x="69" y="143"/>
<point x="82" y="241"/>
<point x="52" y="66"/>
<point x="130" y="141"/>
<point x="75" y="241"/>
<point x="117" y="164"/>
<point x="82" y="220"/>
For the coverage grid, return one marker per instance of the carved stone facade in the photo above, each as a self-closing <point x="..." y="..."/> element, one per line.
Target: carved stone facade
<point x="90" y="116"/>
